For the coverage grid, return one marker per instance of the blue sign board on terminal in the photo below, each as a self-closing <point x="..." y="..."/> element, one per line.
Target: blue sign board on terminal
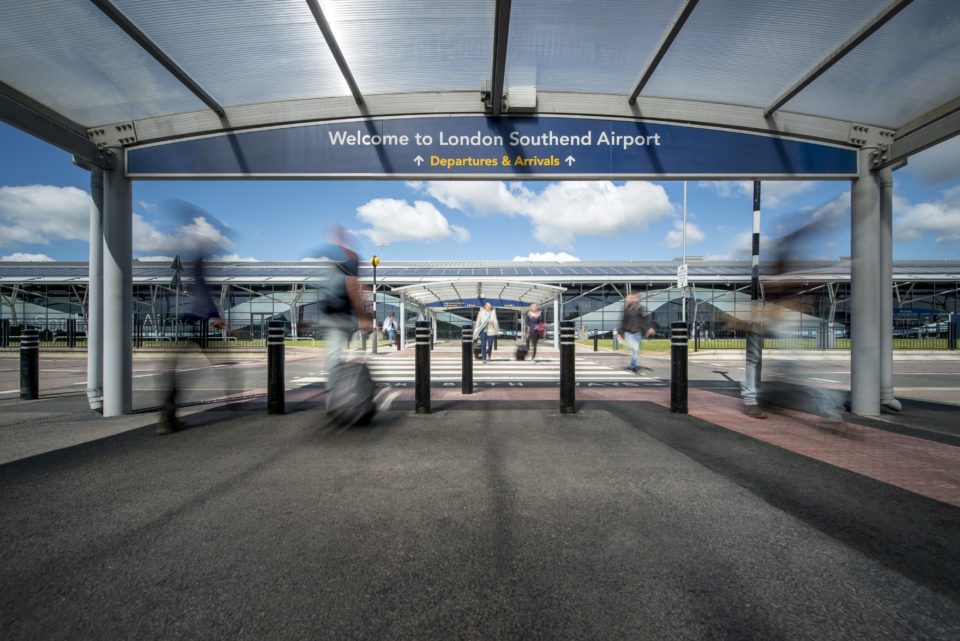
<point x="551" y="147"/>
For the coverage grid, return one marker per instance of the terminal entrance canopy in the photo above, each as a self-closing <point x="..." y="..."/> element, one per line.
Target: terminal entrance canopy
<point x="503" y="89"/>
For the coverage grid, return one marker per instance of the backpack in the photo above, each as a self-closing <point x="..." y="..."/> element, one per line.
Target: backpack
<point x="335" y="298"/>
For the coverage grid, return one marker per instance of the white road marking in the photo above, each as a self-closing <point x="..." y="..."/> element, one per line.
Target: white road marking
<point x="385" y="406"/>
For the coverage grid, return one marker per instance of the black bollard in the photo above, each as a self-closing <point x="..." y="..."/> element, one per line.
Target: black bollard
<point x="422" y="377"/>
<point x="275" y="367"/>
<point x="679" y="335"/>
<point x="568" y="395"/>
<point x="466" y="368"/>
<point x="363" y="341"/>
<point x="30" y="364"/>
<point x="596" y="342"/>
<point x="953" y="328"/>
<point x="71" y="332"/>
<point x="5" y="332"/>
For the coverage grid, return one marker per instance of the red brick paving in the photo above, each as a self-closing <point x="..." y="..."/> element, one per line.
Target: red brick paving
<point x="924" y="467"/>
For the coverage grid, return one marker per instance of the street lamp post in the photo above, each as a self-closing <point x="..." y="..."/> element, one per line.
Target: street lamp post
<point x="375" y="261"/>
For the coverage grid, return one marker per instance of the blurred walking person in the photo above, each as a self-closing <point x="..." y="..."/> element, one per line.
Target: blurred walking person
<point x="344" y="311"/>
<point x="487" y="328"/>
<point x="197" y="310"/>
<point x="634" y="327"/>
<point x="390" y="329"/>
<point x="532" y="328"/>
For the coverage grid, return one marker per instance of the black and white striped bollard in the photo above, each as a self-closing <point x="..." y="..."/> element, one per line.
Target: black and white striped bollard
<point x="30" y="364"/>
<point x="422" y="377"/>
<point x="275" y="368"/>
<point x="466" y="367"/>
<point x="568" y="396"/>
<point x="679" y="336"/>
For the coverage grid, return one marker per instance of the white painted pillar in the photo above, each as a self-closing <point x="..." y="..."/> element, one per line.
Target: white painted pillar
<point x="865" y="290"/>
<point x="403" y="320"/>
<point x="117" y="289"/>
<point x="95" y="293"/>
<point x="887" y="398"/>
<point x="556" y="322"/>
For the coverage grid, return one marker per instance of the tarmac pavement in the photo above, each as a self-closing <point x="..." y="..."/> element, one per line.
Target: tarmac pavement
<point x="492" y="518"/>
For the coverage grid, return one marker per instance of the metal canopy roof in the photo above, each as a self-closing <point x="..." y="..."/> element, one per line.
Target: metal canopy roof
<point x="95" y="73"/>
<point x="468" y="289"/>
<point x="397" y="274"/>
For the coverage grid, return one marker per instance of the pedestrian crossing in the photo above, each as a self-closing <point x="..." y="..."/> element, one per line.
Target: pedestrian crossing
<point x="448" y="370"/>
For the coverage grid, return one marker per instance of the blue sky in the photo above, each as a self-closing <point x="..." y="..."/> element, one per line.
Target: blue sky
<point x="44" y="208"/>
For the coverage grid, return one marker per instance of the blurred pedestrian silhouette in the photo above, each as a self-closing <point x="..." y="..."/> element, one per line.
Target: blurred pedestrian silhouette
<point x="634" y="327"/>
<point x="343" y="306"/>
<point x="197" y="310"/>
<point x="777" y="318"/>
<point x="486" y="329"/>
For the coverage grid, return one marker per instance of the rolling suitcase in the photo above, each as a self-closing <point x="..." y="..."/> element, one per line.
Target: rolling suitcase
<point x="350" y="395"/>
<point x="521" y="352"/>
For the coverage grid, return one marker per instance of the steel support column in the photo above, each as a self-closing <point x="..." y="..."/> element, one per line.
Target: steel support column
<point x="403" y="320"/>
<point x="117" y="290"/>
<point x="887" y="398"/>
<point x="556" y="323"/>
<point x="865" y="290"/>
<point x="95" y="294"/>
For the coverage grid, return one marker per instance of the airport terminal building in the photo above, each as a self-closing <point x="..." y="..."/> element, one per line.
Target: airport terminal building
<point x="811" y="300"/>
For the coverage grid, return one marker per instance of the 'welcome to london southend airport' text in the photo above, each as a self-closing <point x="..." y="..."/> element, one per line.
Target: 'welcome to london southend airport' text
<point x="478" y="139"/>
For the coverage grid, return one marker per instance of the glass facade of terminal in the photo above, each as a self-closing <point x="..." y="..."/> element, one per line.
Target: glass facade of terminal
<point x="807" y="314"/>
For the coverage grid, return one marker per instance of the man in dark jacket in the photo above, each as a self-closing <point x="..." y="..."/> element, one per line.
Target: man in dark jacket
<point x="199" y="312"/>
<point x="634" y="327"/>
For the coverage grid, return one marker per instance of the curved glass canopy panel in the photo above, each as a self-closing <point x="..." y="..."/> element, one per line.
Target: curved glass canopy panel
<point x="593" y="47"/>
<point x="748" y="52"/>
<point x="243" y="51"/>
<point x="405" y="46"/>
<point x="907" y="68"/>
<point x="73" y="59"/>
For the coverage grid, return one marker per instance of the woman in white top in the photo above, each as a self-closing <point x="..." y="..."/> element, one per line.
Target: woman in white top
<point x="486" y="328"/>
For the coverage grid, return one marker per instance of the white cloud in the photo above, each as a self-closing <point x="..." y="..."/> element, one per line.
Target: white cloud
<point x="940" y="218"/>
<point x="773" y="193"/>
<point x="155" y="259"/>
<point x="674" y="238"/>
<point x="26" y="258"/>
<point x="476" y="196"/>
<point x="834" y="214"/>
<point x="568" y="209"/>
<point x="231" y="258"/>
<point x="741" y="248"/>
<point x="41" y="214"/>
<point x="563" y="210"/>
<point x="195" y="238"/>
<point x="547" y="257"/>
<point x="393" y="220"/>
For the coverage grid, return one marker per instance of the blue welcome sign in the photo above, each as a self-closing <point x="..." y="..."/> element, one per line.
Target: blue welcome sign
<point x="478" y="147"/>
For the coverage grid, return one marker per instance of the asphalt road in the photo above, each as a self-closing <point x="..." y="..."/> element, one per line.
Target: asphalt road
<point x="507" y="522"/>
